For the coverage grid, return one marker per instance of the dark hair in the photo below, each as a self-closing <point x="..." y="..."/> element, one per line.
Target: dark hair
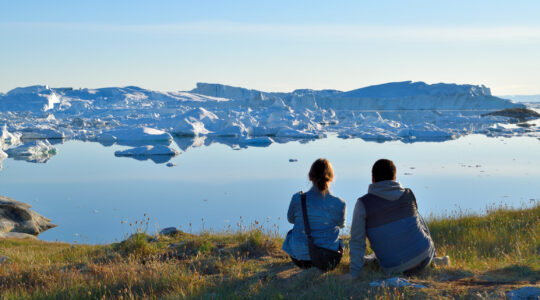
<point x="321" y="174"/>
<point x="383" y="169"/>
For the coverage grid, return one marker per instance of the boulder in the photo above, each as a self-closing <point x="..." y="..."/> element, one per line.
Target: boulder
<point x="521" y="114"/>
<point x="17" y="220"/>
<point x="169" y="231"/>
<point x="16" y="235"/>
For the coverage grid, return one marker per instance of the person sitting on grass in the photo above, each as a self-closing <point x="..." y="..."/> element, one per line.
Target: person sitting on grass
<point x="326" y="215"/>
<point x="388" y="216"/>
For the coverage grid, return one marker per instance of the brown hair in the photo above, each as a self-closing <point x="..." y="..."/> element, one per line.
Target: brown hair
<point x="321" y="174"/>
<point x="383" y="169"/>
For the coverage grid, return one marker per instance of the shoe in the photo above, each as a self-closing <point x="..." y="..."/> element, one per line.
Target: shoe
<point x="441" y="261"/>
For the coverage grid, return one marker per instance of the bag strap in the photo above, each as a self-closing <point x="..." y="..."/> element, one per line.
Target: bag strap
<point x="305" y="217"/>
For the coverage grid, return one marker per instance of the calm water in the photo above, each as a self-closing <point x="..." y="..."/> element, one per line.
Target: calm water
<point x="93" y="195"/>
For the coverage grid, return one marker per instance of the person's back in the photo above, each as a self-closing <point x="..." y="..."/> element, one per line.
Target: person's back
<point x="326" y="215"/>
<point x="387" y="215"/>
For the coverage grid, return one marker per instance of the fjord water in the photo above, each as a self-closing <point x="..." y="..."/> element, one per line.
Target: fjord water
<point x="93" y="196"/>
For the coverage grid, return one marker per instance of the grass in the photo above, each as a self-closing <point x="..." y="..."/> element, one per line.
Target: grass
<point x="490" y="254"/>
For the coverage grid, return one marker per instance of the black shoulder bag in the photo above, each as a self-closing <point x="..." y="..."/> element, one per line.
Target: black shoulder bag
<point x="322" y="258"/>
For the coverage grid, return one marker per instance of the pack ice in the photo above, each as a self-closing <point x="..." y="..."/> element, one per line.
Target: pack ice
<point x="36" y="117"/>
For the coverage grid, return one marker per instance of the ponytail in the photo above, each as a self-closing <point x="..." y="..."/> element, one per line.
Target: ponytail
<point x="321" y="174"/>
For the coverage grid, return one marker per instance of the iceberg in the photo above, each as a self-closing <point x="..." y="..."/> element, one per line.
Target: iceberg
<point x="158" y="153"/>
<point x="240" y="117"/>
<point x="38" y="151"/>
<point x="3" y="155"/>
<point x="136" y="136"/>
<point x="148" y="151"/>
<point x="8" y="139"/>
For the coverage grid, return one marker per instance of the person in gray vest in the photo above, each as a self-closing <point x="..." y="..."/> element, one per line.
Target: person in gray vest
<point x="326" y="214"/>
<point x="388" y="216"/>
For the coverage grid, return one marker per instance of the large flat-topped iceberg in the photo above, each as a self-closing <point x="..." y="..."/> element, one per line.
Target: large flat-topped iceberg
<point x="239" y="117"/>
<point x="388" y="96"/>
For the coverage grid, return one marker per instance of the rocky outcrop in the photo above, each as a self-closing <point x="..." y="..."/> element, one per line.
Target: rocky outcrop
<point x="17" y="220"/>
<point x="521" y="114"/>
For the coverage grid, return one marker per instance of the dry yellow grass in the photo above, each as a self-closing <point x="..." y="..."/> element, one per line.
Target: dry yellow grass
<point x="491" y="255"/>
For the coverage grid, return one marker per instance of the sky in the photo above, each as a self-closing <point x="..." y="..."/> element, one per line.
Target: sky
<point x="270" y="45"/>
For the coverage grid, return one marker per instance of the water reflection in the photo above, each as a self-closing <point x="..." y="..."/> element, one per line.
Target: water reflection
<point x="88" y="191"/>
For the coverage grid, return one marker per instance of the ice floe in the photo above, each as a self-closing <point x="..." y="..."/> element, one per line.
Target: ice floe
<point x="137" y="136"/>
<point x="38" y="151"/>
<point x="156" y="153"/>
<point x="239" y="117"/>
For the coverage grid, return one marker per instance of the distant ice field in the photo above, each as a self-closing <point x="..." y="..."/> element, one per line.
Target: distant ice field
<point x="93" y="195"/>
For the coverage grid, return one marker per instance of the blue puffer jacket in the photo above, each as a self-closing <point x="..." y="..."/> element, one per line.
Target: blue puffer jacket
<point x="326" y="215"/>
<point x="398" y="235"/>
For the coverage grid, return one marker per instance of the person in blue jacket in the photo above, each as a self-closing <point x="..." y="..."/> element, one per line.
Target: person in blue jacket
<point x="388" y="216"/>
<point x="326" y="215"/>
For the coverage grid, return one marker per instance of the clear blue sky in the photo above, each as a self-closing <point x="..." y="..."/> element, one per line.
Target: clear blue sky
<point x="270" y="45"/>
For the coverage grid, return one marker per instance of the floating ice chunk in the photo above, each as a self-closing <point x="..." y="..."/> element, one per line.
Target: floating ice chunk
<point x="8" y="139"/>
<point x="194" y="122"/>
<point x="3" y="156"/>
<point x="148" y="151"/>
<point x="261" y="141"/>
<point x="136" y="136"/>
<point x="38" y="151"/>
<point x="186" y="142"/>
<point x="233" y="129"/>
<point x="186" y="127"/>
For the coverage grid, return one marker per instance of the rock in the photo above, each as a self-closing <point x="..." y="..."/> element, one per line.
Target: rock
<point x="16" y="217"/>
<point x="443" y="261"/>
<point x="16" y="235"/>
<point x="41" y="132"/>
<point x="169" y="231"/>
<point x="528" y="292"/>
<point x="522" y="114"/>
<point x="395" y="282"/>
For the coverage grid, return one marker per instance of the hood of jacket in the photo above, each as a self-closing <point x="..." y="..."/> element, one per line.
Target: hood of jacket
<point x="386" y="189"/>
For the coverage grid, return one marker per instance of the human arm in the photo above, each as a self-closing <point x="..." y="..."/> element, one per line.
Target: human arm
<point x="357" y="243"/>
<point x="292" y="210"/>
<point x="341" y="215"/>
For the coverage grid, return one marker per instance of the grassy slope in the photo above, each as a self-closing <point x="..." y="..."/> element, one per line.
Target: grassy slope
<point x="491" y="255"/>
